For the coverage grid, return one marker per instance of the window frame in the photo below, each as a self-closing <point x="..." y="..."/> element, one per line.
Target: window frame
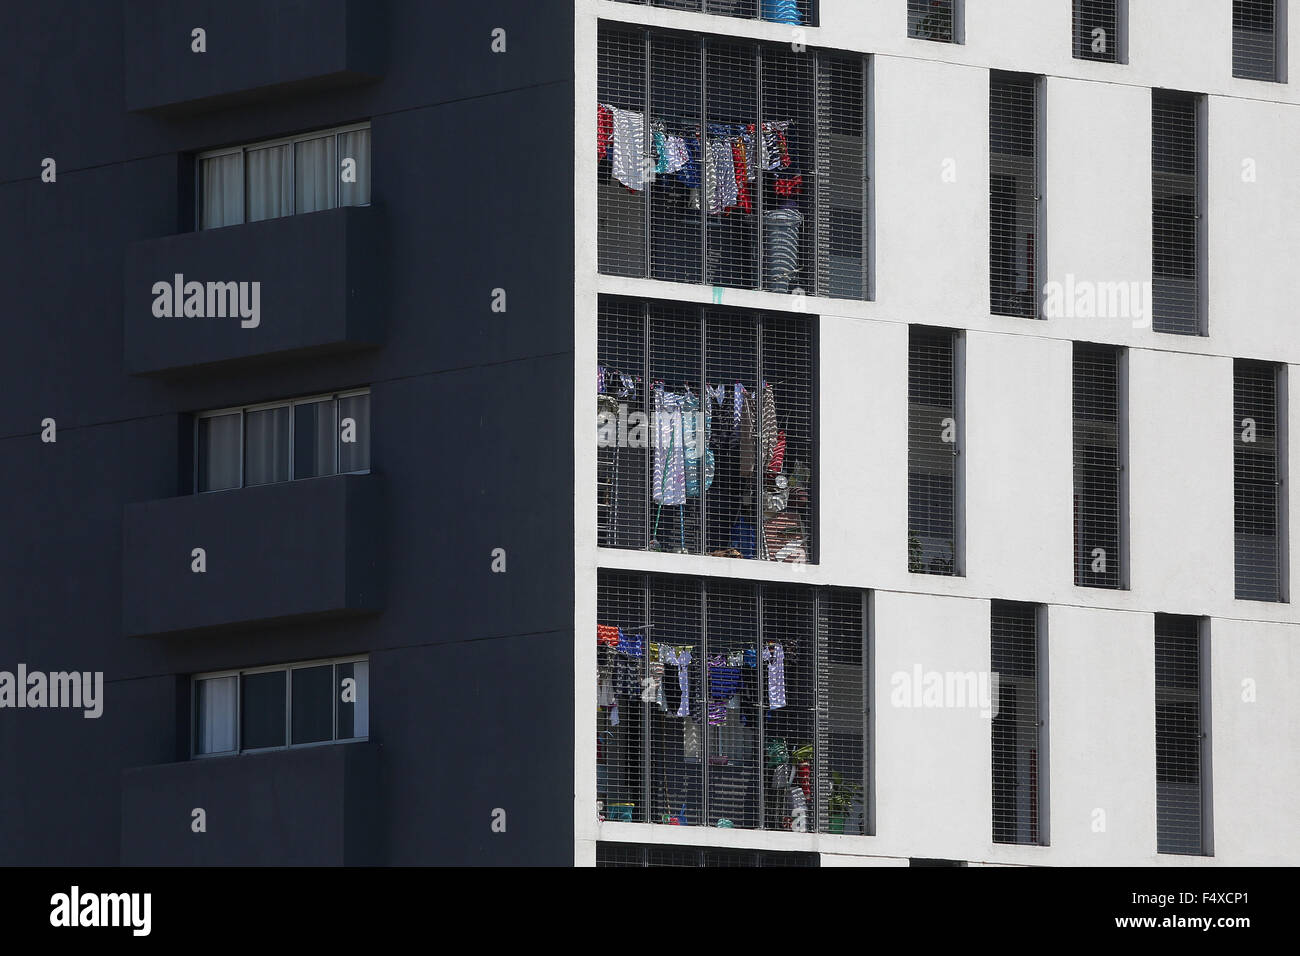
<point x="245" y="148"/>
<point x="289" y="403"/>
<point x="1280" y="30"/>
<point x="287" y="670"/>
<point x="957" y="13"/>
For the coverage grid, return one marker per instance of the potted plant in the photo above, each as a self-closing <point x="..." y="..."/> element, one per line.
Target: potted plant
<point x="839" y="802"/>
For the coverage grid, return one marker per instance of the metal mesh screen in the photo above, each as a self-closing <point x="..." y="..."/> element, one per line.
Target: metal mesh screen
<point x="1255" y="39"/>
<point x="1013" y="194"/>
<point x="842" y="711"/>
<point x="1098" y="467"/>
<point x="620" y="150"/>
<point x="730" y="704"/>
<point x="1175" y="219"/>
<point x="773" y="195"/>
<point x="841" y="249"/>
<point x="931" y="452"/>
<point x="1017" y="727"/>
<point x="932" y="20"/>
<point x="636" y="854"/>
<point x="714" y="455"/>
<point x="1096" y="30"/>
<point x="1179" y="743"/>
<point x="1256" y="481"/>
<point x="794" y="12"/>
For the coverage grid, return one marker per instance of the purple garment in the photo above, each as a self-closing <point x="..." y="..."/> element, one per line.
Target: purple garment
<point x="774" y="654"/>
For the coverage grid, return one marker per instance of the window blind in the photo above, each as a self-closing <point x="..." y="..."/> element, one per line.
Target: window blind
<point x="1179" y="739"/>
<point x="932" y="20"/>
<point x="1013" y="195"/>
<point x="1017" y="727"/>
<point x="1175" y="216"/>
<point x="705" y="431"/>
<point x="1257" y="481"/>
<point x="1098" y="467"/>
<point x="730" y="703"/>
<point x="1255" y="39"/>
<point x="1096" y="30"/>
<point x="773" y="197"/>
<point x="932" y="447"/>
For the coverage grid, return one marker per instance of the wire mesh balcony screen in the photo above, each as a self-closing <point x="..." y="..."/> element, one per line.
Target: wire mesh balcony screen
<point x="932" y="20"/>
<point x="1179" y="743"/>
<point x="1095" y="25"/>
<point x="1098" y="467"/>
<point x="1257" y="481"/>
<point x="643" y="855"/>
<point x="931" y="452"/>
<point x="730" y="704"/>
<point x="1017" y="750"/>
<point x="1175" y="219"/>
<point x="793" y="12"/>
<point x="705" y="431"/>
<point x="773" y="196"/>
<point x="1013" y="195"/>
<point x="1255" y="39"/>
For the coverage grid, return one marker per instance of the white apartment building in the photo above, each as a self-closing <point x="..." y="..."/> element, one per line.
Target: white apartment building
<point x="939" y="508"/>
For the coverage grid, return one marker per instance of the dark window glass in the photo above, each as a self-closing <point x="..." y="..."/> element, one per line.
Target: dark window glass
<point x="261" y="707"/>
<point x="313" y="704"/>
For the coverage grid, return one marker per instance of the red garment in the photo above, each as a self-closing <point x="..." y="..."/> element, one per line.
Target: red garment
<point x="778" y="455"/>
<point x="785" y="147"/>
<point x="604" y="130"/>
<point x="804" y="778"/>
<point x="739" y="160"/>
<point x="789" y="187"/>
<point x="607" y="634"/>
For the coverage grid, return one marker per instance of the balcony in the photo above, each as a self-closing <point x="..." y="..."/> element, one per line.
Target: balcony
<point x="283" y="287"/>
<point x="314" y="806"/>
<point x="293" y="550"/>
<point x="251" y="49"/>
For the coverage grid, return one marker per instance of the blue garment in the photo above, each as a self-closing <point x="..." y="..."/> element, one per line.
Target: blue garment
<point x="744" y="538"/>
<point x="782" y="11"/>
<point x="690" y="173"/>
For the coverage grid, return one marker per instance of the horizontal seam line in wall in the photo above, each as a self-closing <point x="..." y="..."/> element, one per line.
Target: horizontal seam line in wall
<point x="397" y="112"/>
<point x="371" y="384"/>
<point x="811" y="310"/>
<point x="823" y="35"/>
<point x="370" y="651"/>
<point x="783" y="582"/>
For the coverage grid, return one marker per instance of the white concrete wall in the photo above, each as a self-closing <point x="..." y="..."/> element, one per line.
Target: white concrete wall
<point x="930" y="105"/>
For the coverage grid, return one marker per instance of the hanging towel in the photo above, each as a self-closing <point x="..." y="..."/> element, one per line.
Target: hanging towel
<point x="725" y="170"/>
<point x="670" y="449"/>
<point x="742" y="174"/>
<point x="629" y="148"/>
<point x="774" y="655"/>
<point x="677" y="154"/>
<point x="767" y="425"/>
<point x="604" y="129"/>
<point x="778" y="455"/>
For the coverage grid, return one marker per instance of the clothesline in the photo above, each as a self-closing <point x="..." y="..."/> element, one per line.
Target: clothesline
<point x="729" y="157"/>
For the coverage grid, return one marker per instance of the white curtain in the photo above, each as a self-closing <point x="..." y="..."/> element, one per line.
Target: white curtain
<point x="314" y="175"/>
<point x="266" y="446"/>
<point x="356" y="146"/>
<point x="361" y="710"/>
<point x="219" y="452"/>
<point x="216" y="715"/>
<point x="223" y="191"/>
<point x="268" y="174"/>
